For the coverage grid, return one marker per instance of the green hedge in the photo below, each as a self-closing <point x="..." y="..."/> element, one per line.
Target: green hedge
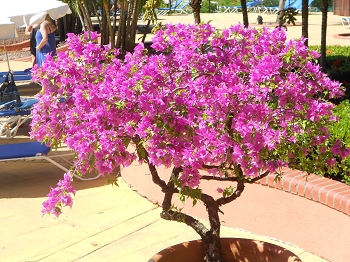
<point x="341" y="129"/>
<point x="338" y="66"/>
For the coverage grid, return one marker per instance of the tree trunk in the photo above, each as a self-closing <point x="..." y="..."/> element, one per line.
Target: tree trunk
<point x="133" y="26"/>
<point x="324" y="34"/>
<point x="95" y="11"/>
<point x="212" y="239"/>
<point x="114" y="24"/>
<point x="245" y="13"/>
<point x="61" y="29"/>
<point x="85" y="11"/>
<point x="121" y="37"/>
<point x="105" y="28"/>
<point x="196" y="9"/>
<point x="281" y="12"/>
<point x="305" y="21"/>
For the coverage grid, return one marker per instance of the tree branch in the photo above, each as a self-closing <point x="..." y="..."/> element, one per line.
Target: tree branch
<point x="240" y="188"/>
<point x="187" y="219"/>
<point x="253" y="180"/>
<point x="154" y="173"/>
<point x="216" y="178"/>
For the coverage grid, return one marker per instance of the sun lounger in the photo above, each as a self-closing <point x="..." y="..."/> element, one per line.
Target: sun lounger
<point x="181" y="9"/>
<point x="166" y="10"/>
<point x="251" y="6"/>
<point x="345" y="21"/>
<point x="34" y="151"/>
<point x="19" y="76"/>
<point x="12" y="118"/>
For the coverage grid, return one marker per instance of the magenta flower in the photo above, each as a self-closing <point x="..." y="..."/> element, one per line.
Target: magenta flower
<point x="242" y="97"/>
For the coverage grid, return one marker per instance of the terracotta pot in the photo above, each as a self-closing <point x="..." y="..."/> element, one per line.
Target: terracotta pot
<point x="234" y="249"/>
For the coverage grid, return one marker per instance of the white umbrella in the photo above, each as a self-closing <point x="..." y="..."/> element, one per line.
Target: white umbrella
<point x="21" y="13"/>
<point x="29" y="12"/>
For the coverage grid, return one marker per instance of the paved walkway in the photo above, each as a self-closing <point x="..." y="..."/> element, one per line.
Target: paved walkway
<point x="224" y="20"/>
<point x="107" y="223"/>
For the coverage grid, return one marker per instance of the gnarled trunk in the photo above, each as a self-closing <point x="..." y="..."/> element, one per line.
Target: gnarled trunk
<point x="210" y="237"/>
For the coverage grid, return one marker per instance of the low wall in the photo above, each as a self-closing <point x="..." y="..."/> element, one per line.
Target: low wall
<point x="17" y="46"/>
<point x="312" y="212"/>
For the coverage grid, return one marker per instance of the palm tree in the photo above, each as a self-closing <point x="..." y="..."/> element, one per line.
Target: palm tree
<point x="305" y="21"/>
<point x="245" y="13"/>
<point x="196" y="9"/>
<point x="71" y="22"/>
<point x="324" y="10"/>
<point x="281" y="12"/>
<point x="84" y="8"/>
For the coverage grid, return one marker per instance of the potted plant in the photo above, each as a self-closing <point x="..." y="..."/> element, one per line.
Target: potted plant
<point x="231" y="106"/>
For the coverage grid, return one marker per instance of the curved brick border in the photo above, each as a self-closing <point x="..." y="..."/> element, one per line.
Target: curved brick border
<point x="342" y="36"/>
<point x="323" y="190"/>
<point x="17" y="46"/>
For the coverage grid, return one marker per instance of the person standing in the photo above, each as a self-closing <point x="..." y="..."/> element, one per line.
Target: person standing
<point x="31" y="31"/>
<point x="45" y="40"/>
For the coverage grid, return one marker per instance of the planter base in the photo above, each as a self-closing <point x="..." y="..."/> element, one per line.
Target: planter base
<point x="234" y="249"/>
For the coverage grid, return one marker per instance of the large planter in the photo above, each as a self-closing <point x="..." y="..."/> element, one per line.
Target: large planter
<point x="234" y="249"/>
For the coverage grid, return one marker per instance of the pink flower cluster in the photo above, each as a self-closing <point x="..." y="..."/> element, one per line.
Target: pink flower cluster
<point x="242" y="96"/>
<point x="59" y="196"/>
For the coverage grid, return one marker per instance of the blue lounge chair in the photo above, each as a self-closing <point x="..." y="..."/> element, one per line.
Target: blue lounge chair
<point x="345" y="21"/>
<point x="34" y="151"/>
<point x="13" y="117"/>
<point x="165" y="10"/>
<point x="297" y="5"/>
<point x="275" y="9"/>
<point x="251" y="6"/>
<point x="25" y="75"/>
<point x="181" y="9"/>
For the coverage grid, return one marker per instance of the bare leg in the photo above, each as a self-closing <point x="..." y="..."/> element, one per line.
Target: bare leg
<point x="33" y="60"/>
<point x="33" y="64"/>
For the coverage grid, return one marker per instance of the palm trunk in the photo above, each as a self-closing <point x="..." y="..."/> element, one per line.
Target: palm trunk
<point x="121" y="37"/>
<point x="84" y="8"/>
<point x="108" y="27"/>
<point x="104" y="29"/>
<point x="245" y="13"/>
<point x="305" y="21"/>
<point x="133" y="27"/>
<point x="196" y="8"/>
<point x="95" y="11"/>
<point x="281" y="13"/>
<point x="324" y="34"/>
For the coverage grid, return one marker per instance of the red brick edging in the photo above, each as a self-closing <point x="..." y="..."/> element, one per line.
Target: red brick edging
<point x="342" y="36"/>
<point x="323" y="190"/>
<point x="17" y="46"/>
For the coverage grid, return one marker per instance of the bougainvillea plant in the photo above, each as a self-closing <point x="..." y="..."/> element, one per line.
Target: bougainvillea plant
<point x="238" y="103"/>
